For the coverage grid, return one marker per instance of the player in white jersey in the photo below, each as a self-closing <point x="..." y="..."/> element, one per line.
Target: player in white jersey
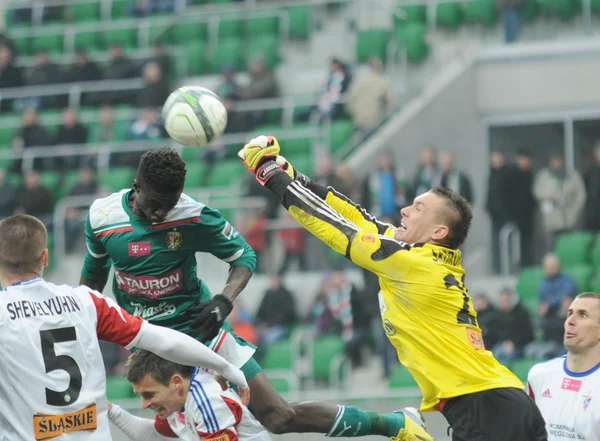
<point x="188" y="402"/>
<point x="567" y="388"/>
<point x="52" y="378"/>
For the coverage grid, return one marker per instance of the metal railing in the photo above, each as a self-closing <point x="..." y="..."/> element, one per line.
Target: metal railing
<point x="510" y="249"/>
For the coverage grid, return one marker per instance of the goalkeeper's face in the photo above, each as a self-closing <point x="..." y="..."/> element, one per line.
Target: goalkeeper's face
<point x="421" y="221"/>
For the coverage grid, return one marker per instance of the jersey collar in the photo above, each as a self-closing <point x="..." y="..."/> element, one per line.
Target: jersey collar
<point x="579" y="374"/>
<point x="28" y="281"/>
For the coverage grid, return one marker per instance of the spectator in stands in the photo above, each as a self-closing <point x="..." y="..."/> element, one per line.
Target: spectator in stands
<point x="276" y="313"/>
<point x="142" y="8"/>
<point x="253" y="230"/>
<point x="162" y="58"/>
<point x="369" y="97"/>
<point x="385" y="190"/>
<point x="83" y="69"/>
<point x="498" y="203"/>
<point x="31" y="134"/>
<point x="241" y="324"/>
<point x="293" y="240"/>
<point x="45" y="72"/>
<point x="330" y="95"/>
<point x="106" y="131"/>
<point x="255" y="189"/>
<point x="10" y="75"/>
<point x="36" y="199"/>
<point x="119" y="66"/>
<point x="561" y="198"/>
<point x="263" y="84"/>
<point x="555" y="287"/>
<point x="453" y="178"/>
<point x="229" y="91"/>
<point x="511" y="327"/>
<point x="8" y="196"/>
<point x="86" y="183"/>
<point x="553" y="331"/>
<point x="427" y="172"/>
<point x="146" y="127"/>
<point x="511" y="18"/>
<point x="325" y="174"/>
<point x="157" y="88"/>
<point x="592" y="189"/>
<point x="71" y="131"/>
<point x="523" y="206"/>
<point x="346" y="183"/>
<point x="486" y="312"/>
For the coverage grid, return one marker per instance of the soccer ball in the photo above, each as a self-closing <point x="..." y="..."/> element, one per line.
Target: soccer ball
<point x="194" y="116"/>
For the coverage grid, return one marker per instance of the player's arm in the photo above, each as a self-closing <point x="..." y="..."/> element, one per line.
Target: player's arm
<point x="140" y="429"/>
<point x="118" y="326"/>
<point x="96" y="265"/>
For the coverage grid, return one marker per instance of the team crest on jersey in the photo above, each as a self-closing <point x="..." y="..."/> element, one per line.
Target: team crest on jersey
<point x="173" y="240"/>
<point x="586" y="401"/>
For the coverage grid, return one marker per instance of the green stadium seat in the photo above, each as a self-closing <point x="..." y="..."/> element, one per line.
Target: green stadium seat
<point x="260" y="26"/>
<point x="53" y="43"/>
<point x="84" y="12"/>
<point x="118" y="388"/>
<point x="412" y="14"/>
<point x="127" y="37"/>
<point x="196" y="172"/>
<point x="481" y="11"/>
<point x="23" y="45"/>
<point x="448" y="15"/>
<point x="532" y="9"/>
<point x="6" y="136"/>
<point x="230" y="28"/>
<point x="303" y="163"/>
<point x="522" y="367"/>
<point x="225" y="172"/>
<point x="185" y="32"/>
<point x="280" y="384"/>
<point x="372" y="42"/>
<point x="117" y="178"/>
<point x="267" y="46"/>
<point x="161" y="32"/>
<point x="298" y="146"/>
<point x="51" y="180"/>
<point x="300" y="19"/>
<point x="119" y="8"/>
<point x="227" y="52"/>
<point x="340" y="134"/>
<point x="574" y="248"/>
<point x="279" y="356"/>
<point x="581" y="274"/>
<point x="400" y="377"/>
<point x="90" y="40"/>
<point x="412" y="38"/>
<point x="325" y="349"/>
<point x="195" y="57"/>
<point x="595" y="254"/>
<point x="191" y="156"/>
<point x="69" y="181"/>
<point x="564" y="9"/>
<point x="529" y="282"/>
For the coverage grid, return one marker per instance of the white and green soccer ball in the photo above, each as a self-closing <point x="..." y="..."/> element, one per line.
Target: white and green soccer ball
<point x="194" y="116"/>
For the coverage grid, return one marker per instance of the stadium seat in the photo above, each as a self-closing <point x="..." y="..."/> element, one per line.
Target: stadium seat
<point x="574" y="248"/>
<point x="196" y="170"/>
<point x="412" y="14"/>
<point x="6" y="136"/>
<point x="279" y="356"/>
<point x="298" y="146"/>
<point x="92" y="41"/>
<point x="186" y="32"/>
<point x="372" y="42"/>
<point x="160" y="32"/>
<point x="581" y="274"/>
<point x="521" y="367"/>
<point x="325" y="349"/>
<point x="532" y="9"/>
<point x="400" y="377"/>
<point x="564" y="9"/>
<point x="22" y="45"/>
<point x="117" y="178"/>
<point x="481" y="11"/>
<point x="262" y="26"/>
<point x="127" y="37"/>
<point x="595" y="286"/>
<point x="412" y="38"/>
<point x="53" y="43"/>
<point x="300" y="18"/>
<point x="529" y="282"/>
<point x="118" y="388"/>
<point x="195" y="58"/>
<point x="84" y="12"/>
<point x="267" y="46"/>
<point x="230" y="28"/>
<point x="595" y="254"/>
<point x="69" y="181"/>
<point x="448" y="15"/>
<point x="51" y="180"/>
<point x="226" y="172"/>
<point x="119" y="8"/>
<point x="227" y="52"/>
<point x="341" y="132"/>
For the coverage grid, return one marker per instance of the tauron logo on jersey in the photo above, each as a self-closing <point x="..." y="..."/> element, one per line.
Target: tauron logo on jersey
<point x="152" y="287"/>
<point x="47" y="426"/>
<point x="154" y="312"/>
<point x="571" y="384"/>
<point x="139" y="248"/>
<point x="173" y="240"/>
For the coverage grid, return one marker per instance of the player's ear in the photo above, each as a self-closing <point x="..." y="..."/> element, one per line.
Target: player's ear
<point x="45" y="258"/>
<point x="440" y="233"/>
<point x="136" y="186"/>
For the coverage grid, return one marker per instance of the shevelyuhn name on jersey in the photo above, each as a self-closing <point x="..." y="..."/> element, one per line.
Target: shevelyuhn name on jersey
<point x="54" y="306"/>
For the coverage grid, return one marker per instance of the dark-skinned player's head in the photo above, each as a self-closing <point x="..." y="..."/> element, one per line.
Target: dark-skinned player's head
<point x="159" y="183"/>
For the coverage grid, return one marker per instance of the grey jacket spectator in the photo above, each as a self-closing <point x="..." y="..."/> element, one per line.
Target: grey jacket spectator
<point x="119" y="66"/>
<point x="426" y="173"/>
<point x="83" y="69"/>
<point x="10" y="75"/>
<point x="157" y="89"/>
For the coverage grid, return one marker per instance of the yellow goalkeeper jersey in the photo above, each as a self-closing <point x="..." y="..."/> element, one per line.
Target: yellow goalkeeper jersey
<point x="425" y="307"/>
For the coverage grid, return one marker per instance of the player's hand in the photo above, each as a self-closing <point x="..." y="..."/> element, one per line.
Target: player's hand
<point x="222" y="382"/>
<point x="109" y="405"/>
<point x="209" y="316"/>
<point x="287" y="167"/>
<point x="243" y="392"/>
<point x="259" y="150"/>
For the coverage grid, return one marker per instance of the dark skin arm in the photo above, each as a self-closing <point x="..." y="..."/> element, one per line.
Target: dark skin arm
<point x="236" y="282"/>
<point x="97" y="285"/>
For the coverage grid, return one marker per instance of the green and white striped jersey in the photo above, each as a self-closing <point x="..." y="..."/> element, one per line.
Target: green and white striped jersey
<point x="155" y="264"/>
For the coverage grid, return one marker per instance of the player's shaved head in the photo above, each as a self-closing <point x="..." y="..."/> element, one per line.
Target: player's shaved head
<point x="142" y="362"/>
<point x="161" y="170"/>
<point x="456" y="214"/>
<point x="23" y="240"/>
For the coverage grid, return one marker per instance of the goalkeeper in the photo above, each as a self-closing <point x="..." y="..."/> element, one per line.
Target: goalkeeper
<point x="425" y="308"/>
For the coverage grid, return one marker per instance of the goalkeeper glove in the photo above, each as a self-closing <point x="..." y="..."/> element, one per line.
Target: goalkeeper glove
<point x="259" y="157"/>
<point x="209" y="316"/>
